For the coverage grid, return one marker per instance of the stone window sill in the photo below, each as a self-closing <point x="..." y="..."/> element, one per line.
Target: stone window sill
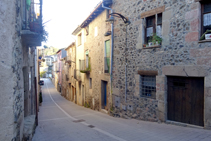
<point x="203" y="41"/>
<point x="148" y="97"/>
<point x="157" y="46"/>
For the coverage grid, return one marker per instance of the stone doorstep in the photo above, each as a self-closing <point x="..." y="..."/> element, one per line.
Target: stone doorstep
<point x="29" y="127"/>
<point x="183" y="124"/>
<point x="104" y="111"/>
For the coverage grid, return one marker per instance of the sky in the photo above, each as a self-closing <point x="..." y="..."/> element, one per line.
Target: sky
<point x="64" y="16"/>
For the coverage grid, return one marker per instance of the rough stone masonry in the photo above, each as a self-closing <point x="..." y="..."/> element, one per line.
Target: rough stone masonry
<point x="180" y="54"/>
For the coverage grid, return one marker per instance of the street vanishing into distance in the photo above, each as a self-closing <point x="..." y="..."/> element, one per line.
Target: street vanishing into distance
<point x="62" y="120"/>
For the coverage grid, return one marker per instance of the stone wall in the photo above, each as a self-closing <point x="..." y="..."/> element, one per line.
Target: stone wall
<point x="11" y="74"/>
<point x="95" y="45"/>
<point x="180" y="47"/>
<point x="12" y="62"/>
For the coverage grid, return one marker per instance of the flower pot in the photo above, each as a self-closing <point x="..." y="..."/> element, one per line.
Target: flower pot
<point x="207" y="36"/>
<point x="150" y="43"/>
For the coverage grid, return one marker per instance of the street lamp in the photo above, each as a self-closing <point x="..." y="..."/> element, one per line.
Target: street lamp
<point x="127" y="22"/>
<point x="111" y="19"/>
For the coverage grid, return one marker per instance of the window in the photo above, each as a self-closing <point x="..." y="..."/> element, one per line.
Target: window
<point x="153" y="27"/>
<point x="90" y="83"/>
<point x="148" y="86"/>
<point x="79" y="39"/>
<point x="107" y="57"/>
<point x="87" y="61"/>
<point x="206" y="16"/>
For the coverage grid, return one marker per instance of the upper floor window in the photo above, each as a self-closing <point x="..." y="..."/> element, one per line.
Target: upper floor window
<point x="206" y="18"/>
<point x="153" y="30"/>
<point x="107" y="57"/>
<point x="152" y="26"/>
<point x="79" y="39"/>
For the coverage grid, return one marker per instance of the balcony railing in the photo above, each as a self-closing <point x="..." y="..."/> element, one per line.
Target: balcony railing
<point x="77" y="75"/>
<point x="32" y="29"/>
<point x="68" y="60"/>
<point x="85" y="66"/>
<point x="106" y="64"/>
<point x="32" y="17"/>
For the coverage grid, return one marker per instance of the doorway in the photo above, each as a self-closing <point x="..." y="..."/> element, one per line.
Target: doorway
<point x="186" y="100"/>
<point x="104" y="94"/>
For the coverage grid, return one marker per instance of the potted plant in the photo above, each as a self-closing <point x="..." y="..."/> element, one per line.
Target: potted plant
<point x="203" y="37"/>
<point x="155" y="40"/>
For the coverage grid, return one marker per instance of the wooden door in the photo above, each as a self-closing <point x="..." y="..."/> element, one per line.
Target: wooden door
<point x="73" y="93"/>
<point x="186" y="100"/>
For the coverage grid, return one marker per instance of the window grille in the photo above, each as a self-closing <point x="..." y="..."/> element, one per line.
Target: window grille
<point x="148" y="86"/>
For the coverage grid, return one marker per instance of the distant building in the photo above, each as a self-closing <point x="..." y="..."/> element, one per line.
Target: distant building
<point x="93" y="48"/>
<point x="69" y="83"/>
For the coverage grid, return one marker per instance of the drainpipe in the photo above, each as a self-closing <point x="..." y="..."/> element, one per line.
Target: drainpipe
<point x="112" y="45"/>
<point x="126" y="68"/>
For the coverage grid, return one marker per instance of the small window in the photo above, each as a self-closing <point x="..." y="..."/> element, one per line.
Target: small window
<point x="90" y="83"/>
<point x="206" y="17"/>
<point x="148" y="86"/>
<point x="79" y="39"/>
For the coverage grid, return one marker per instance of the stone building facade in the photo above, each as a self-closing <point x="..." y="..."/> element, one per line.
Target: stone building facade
<point x="18" y="87"/>
<point x="69" y="67"/>
<point x="154" y="73"/>
<point x="94" y="63"/>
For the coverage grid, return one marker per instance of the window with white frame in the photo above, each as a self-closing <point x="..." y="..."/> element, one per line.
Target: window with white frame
<point x="148" y="86"/>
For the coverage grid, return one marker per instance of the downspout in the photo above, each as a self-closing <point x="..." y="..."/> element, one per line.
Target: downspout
<point x="112" y="45"/>
<point x="126" y="68"/>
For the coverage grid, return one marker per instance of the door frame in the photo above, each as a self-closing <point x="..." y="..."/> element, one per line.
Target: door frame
<point x="183" y="71"/>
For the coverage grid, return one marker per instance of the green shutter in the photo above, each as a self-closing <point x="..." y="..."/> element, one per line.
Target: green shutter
<point x="28" y="4"/>
<point x="107" y="48"/>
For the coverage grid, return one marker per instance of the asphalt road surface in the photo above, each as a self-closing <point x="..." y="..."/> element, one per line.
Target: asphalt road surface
<point x="62" y="120"/>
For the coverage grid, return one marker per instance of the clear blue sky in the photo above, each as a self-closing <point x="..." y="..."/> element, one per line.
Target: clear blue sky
<point x="65" y="16"/>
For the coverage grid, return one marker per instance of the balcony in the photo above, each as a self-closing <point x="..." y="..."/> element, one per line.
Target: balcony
<point x="77" y="75"/>
<point x="85" y="66"/>
<point x="68" y="60"/>
<point x="32" y="32"/>
<point x="106" y="64"/>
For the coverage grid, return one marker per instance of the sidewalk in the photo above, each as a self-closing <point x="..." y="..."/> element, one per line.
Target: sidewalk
<point x="62" y="120"/>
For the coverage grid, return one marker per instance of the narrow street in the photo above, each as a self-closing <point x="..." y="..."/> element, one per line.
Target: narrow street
<point x="62" y="120"/>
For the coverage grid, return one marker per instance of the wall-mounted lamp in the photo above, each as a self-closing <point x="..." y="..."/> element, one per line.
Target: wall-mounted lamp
<point x="111" y="19"/>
